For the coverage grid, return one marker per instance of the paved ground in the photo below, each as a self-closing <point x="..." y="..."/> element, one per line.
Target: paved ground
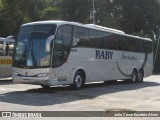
<point x="94" y="97"/>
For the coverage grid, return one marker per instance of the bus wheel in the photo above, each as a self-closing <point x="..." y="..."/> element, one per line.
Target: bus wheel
<point x="134" y="76"/>
<point x="78" y="81"/>
<point x="45" y="86"/>
<point x="140" y="76"/>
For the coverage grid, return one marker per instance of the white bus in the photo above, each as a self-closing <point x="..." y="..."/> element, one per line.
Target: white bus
<point x="6" y="52"/>
<point x="49" y="53"/>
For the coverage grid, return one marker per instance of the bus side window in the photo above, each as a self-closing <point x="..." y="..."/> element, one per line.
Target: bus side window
<point x="62" y="45"/>
<point x="10" y="48"/>
<point x="112" y="42"/>
<point x="105" y="39"/>
<point x="120" y="43"/>
<point x="1" y="48"/>
<point x="147" y="47"/>
<point x="2" y="52"/>
<point x="129" y="44"/>
<point x="138" y="45"/>
<point x="94" y="38"/>
<point x="67" y="41"/>
<point x="57" y="50"/>
<point x="80" y="37"/>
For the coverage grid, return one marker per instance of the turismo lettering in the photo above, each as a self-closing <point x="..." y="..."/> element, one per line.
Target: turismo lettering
<point x="100" y="54"/>
<point x="128" y="57"/>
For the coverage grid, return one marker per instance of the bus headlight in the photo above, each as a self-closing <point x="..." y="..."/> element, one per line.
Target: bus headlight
<point x="43" y="75"/>
<point x="15" y="73"/>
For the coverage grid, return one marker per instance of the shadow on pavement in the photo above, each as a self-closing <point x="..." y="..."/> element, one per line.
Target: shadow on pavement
<point x="58" y="95"/>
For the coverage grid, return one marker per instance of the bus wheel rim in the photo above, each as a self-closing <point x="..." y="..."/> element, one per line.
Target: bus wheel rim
<point x="78" y="81"/>
<point x="140" y="76"/>
<point x="133" y="76"/>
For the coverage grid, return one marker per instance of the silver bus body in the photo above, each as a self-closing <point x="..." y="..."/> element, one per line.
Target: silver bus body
<point x="93" y="63"/>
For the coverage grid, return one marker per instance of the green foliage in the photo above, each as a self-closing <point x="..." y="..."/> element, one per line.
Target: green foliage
<point x="1" y="6"/>
<point x="76" y="10"/>
<point x="138" y="17"/>
<point x="17" y="12"/>
<point x="50" y="13"/>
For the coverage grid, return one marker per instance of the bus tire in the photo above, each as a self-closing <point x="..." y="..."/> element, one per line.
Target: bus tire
<point x="140" y="76"/>
<point x="78" y="81"/>
<point x="134" y="76"/>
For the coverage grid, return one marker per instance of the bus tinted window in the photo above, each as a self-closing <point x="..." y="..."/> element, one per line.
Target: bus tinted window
<point x="129" y="44"/>
<point x="10" y="48"/>
<point x="104" y="40"/>
<point x="80" y="36"/>
<point x="67" y="40"/>
<point x="62" y="45"/>
<point x="67" y="35"/>
<point x="112" y="42"/>
<point x="147" y="46"/>
<point x="2" y="52"/>
<point x="58" y="47"/>
<point x="120" y="43"/>
<point x="85" y="37"/>
<point x="1" y="45"/>
<point x="95" y="38"/>
<point x="138" y="45"/>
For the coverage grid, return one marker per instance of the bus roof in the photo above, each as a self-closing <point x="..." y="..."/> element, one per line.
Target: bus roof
<point x="92" y="26"/>
<point x="104" y="28"/>
<point x="58" y="22"/>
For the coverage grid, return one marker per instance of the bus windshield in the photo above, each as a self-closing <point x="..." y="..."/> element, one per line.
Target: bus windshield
<point x="30" y="48"/>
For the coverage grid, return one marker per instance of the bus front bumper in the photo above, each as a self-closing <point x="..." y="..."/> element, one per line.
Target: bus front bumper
<point x="34" y="80"/>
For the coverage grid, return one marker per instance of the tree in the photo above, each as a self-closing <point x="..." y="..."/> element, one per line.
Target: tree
<point x="76" y="10"/>
<point x="138" y="17"/>
<point x="133" y="18"/>
<point x="51" y="11"/>
<point x="17" y="12"/>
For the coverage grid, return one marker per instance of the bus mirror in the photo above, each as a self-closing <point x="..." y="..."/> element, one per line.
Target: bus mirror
<point x="48" y="43"/>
